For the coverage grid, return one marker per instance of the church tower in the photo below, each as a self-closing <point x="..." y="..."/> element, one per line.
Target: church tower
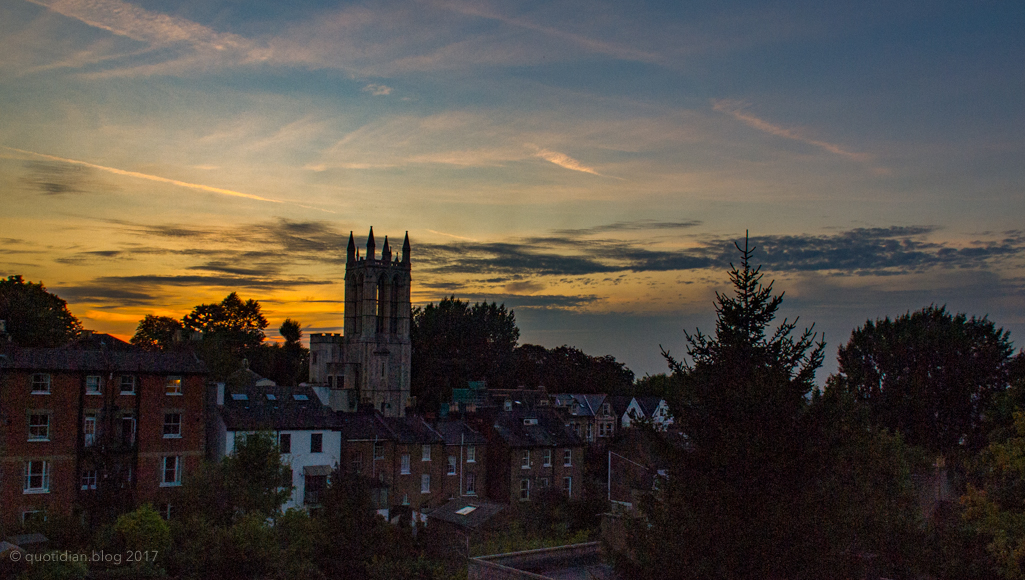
<point x="376" y="340"/>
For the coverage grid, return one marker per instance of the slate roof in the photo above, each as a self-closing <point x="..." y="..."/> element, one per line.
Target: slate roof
<point x="412" y="429"/>
<point x="364" y="426"/>
<point x="458" y="432"/>
<point x="482" y="512"/>
<point x="282" y="413"/>
<point x="126" y="361"/>
<point x="589" y="405"/>
<point x="619" y="403"/>
<point x="649" y="405"/>
<point x="549" y="431"/>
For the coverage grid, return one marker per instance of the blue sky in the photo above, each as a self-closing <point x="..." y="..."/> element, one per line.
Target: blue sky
<point x="587" y="163"/>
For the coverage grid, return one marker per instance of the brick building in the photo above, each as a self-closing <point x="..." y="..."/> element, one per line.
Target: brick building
<point x="529" y="451"/>
<point x="96" y="428"/>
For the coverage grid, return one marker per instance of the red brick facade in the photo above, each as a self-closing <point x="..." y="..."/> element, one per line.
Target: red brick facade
<point x="82" y="424"/>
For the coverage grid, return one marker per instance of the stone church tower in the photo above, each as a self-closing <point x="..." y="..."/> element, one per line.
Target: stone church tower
<point x="368" y="365"/>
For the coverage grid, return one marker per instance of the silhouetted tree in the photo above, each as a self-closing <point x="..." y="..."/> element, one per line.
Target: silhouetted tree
<point x="566" y="369"/>
<point x="157" y="332"/>
<point x="766" y="488"/>
<point x="929" y="375"/>
<point x="454" y="343"/>
<point x="35" y="317"/>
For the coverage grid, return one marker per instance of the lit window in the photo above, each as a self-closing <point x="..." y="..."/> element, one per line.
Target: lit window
<point x="567" y="486"/>
<point x="426" y="453"/>
<point x="40" y="384"/>
<point x="404" y="468"/>
<point x="37" y="477"/>
<point x="39" y="427"/>
<point x="451" y="464"/>
<point x="525" y="459"/>
<point x="172" y="425"/>
<point x="174" y="386"/>
<point x="89" y="430"/>
<point x="425" y="483"/>
<point x="548" y="457"/>
<point x="92" y="385"/>
<point x="316" y="442"/>
<point x="524" y="489"/>
<point x="567" y="458"/>
<point x="285" y="442"/>
<point x="127" y="384"/>
<point x="471" y="454"/>
<point x="89" y="479"/>
<point x="378" y="450"/>
<point x="471" y="484"/>
<point x="171" y="474"/>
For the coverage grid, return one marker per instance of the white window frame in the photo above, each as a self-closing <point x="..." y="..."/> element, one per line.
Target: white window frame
<point x="172" y="428"/>
<point x="36" y="471"/>
<point x="567" y="485"/>
<point x="425" y="453"/>
<point x="357" y="462"/>
<point x="524" y="489"/>
<point x="544" y="482"/>
<point x="471" y="483"/>
<point x="93" y="385"/>
<point x="130" y="383"/>
<point x="567" y="458"/>
<point x="39" y="431"/>
<point x="378" y="450"/>
<point x="404" y="464"/>
<point x="130" y="420"/>
<point x="88" y="479"/>
<point x="525" y="459"/>
<point x="548" y="457"/>
<point x="471" y="454"/>
<point x="452" y="465"/>
<point x="41" y="384"/>
<point x="173" y="386"/>
<point x="174" y="469"/>
<point x="89" y="429"/>
<point x="425" y="483"/>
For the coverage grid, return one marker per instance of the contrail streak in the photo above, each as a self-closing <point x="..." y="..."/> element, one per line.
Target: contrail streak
<point x="158" y="179"/>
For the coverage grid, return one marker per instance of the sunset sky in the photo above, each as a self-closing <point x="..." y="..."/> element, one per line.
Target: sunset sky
<point x="587" y="163"/>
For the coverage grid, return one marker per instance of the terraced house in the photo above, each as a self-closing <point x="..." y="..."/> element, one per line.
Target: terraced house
<point x="96" y="426"/>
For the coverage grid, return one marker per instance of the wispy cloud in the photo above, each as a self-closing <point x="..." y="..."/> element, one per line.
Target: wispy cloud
<point x="564" y="161"/>
<point x="377" y="90"/>
<point x="737" y="110"/>
<point x="158" y="179"/>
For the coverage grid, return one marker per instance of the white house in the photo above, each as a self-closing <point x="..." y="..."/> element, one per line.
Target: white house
<point x="306" y="431"/>
<point x="654" y="409"/>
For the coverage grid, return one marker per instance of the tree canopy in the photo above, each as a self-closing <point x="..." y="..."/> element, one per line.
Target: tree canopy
<point x="567" y="369"/>
<point x="929" y="375"/>
<point x="157" y="332"/>
<point x="35" y="317"/>
<point x="454" y="343"/>
<point x="772" y="484"/>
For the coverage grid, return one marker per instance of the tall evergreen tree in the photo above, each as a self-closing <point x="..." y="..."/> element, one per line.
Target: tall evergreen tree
<point x="767" y="486"/>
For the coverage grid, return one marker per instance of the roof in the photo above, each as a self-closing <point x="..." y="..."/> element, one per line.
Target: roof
<point x="619" y="403"/>
<point x="648" y="404"/>
<point x="126" y="361"/>
<point x="412" y="429"/>
<point x="363" y="426"/>
<point x="545" y="430"/>
<point x="588" y="405"/>
<point x="459" y="433"/>
<point x="249" y="408"/>
<point x="470" y="513"/>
